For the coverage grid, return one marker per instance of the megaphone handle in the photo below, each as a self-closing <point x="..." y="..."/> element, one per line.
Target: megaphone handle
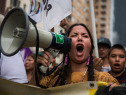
<point x="43" y="69"/>
<point x="53" y="53"/>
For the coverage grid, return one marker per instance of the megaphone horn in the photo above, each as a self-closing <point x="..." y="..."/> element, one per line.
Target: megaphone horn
<point x="18" y="32"/>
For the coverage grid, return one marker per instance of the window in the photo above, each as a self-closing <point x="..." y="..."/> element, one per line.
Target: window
<point x="96" y="19"/>
<point x="82" y="17"/>
<point x="84" y="9"/>
<point x="87" y="9"/>
<point x="78" y="13"/>
<point x="18" y="3"/>
<point x="103" y="18"/>
<point x="96" y="25"/>
<point x="103" y="12"/>
<point x="69" y="18"/>
<point x="78" y="4"/>
<point x="83" y="1"/>
<point x="15" y="3"/>
<point x="24" y="6"/>
<point x="96" y="13"/>
<point x="11" y="2"/>
<point x="73" y="19"/>
<point x="96" y="7"/>
<point x="102" y="25"/>
<point x="102" y="31"/>
<point x="78" y="21"/>
<point x="87" y="1"/>
<point x="103" y="6"/>
<point x="73" y="8"/>
<point x="87" y="19"/>
<point x="96" y="32"/>
<point x="103" y="0"/>
<point x="96" y="1"/>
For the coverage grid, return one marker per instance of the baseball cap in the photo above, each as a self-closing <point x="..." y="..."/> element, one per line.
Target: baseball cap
<point x="103" y="40"/>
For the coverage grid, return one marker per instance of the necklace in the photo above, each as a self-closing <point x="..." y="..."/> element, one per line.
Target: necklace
<point x="84" y="75"/>
<point x="81" y="79"/>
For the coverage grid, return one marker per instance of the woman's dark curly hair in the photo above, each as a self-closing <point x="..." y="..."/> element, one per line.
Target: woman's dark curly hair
<point x="64" y="70"/>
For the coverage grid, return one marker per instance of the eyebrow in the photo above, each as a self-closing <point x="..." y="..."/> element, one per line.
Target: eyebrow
<point x="77" y="33"/>
<point x="84" y="33"/>
<point x="117" y="54"/>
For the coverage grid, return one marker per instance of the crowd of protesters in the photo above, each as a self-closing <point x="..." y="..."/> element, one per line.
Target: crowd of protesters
<point x="79" y="64"/>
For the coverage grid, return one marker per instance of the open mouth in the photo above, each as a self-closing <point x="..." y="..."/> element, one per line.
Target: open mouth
<point x="116" y="65"/>
<point x="79" y="48"/>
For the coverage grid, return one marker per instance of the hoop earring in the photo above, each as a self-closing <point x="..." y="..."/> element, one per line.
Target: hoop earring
<point x="88" y="59"/>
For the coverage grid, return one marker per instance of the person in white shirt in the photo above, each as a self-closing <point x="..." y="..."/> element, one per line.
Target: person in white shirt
<point x="12" y="68"/>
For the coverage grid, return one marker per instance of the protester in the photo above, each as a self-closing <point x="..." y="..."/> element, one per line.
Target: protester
<point x="29" y="66"/>
<point x="117" y="60"/>
<point x="79" y="65"/>
<point x="104" y="45"/>
<point x="25" y="52"/>
<point x="12" y="68"/>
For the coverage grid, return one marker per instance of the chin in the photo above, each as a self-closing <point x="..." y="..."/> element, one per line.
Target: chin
<point x="117" y="71"/>
<point x="80" y="61"/>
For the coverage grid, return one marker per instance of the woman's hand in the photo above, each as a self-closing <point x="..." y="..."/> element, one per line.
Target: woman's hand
<point x="44" y="59"/>
<point x="111" y="85"/>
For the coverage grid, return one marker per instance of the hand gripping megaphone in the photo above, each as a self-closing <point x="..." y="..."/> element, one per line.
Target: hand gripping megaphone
<point x="18" y="32"/>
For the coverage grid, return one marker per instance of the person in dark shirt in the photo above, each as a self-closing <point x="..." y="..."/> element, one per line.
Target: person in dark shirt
<point x="122" y="79"/>
<point x="117" y="59"/>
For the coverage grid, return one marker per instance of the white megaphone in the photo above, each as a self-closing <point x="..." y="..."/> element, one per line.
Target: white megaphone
<point x="18" y="32"/>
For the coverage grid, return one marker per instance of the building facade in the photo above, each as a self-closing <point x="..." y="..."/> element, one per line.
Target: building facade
<point x="103" y="17"/>
<point x="102" y="9"/>
<point x="7" y="5"/>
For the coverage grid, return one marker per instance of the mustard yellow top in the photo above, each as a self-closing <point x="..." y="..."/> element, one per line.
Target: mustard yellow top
<point x="77" y="77"/>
